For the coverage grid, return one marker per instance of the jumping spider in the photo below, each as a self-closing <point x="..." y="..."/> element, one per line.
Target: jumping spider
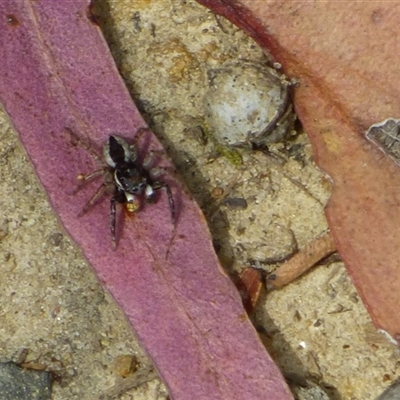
<point x="128" y="180"/>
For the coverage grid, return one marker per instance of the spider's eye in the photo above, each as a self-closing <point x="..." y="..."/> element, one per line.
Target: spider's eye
<point x="138" y="188"/>
<point x="129" y="179"/>
<point x="116" y="151"/>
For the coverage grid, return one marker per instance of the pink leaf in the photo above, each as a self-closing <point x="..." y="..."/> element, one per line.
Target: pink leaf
<point x="65" y="97"/>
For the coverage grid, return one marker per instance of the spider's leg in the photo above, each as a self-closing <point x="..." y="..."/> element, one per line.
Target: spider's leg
<point x="92" y="175"/>
<point x="99" y="192"/>
<point x="170" y="201"/>
<point x="86" y="144"/>
<point x="151" y="159"/>
<point x="85" y="178"/>
<point x="148" y="161"/>
<point x="162" y="185"/>
<point x="118" y="197"/>
<point x="113" y="219"/>
<point x="156" y="172"/>
<point x="134" y="152"/>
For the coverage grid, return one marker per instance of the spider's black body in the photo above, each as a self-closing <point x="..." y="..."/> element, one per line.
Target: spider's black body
<point x="130" y="180"/>
<point x="128" y="176"/>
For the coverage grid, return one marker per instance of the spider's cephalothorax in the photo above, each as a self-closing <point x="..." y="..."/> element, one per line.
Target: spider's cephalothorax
<point x="129" y="180"/>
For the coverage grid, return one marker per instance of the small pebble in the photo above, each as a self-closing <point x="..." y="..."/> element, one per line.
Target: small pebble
<point x="125" y="365"/>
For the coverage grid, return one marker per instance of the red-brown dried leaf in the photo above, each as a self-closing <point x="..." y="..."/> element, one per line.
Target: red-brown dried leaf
<point x="346" y="57"/>
<point x="249" y="285"/>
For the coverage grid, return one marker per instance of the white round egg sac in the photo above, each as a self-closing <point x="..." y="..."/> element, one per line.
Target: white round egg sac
<point x="244" y="104"/>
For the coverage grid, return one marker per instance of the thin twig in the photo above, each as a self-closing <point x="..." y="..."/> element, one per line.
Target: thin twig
<point x="301" y="262"/>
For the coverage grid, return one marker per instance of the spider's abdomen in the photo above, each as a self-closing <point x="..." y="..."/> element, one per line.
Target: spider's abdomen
<point x="116" y="151"/>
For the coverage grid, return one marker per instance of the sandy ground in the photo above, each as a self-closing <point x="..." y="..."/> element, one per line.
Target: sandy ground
<point x="316" y="328"/>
